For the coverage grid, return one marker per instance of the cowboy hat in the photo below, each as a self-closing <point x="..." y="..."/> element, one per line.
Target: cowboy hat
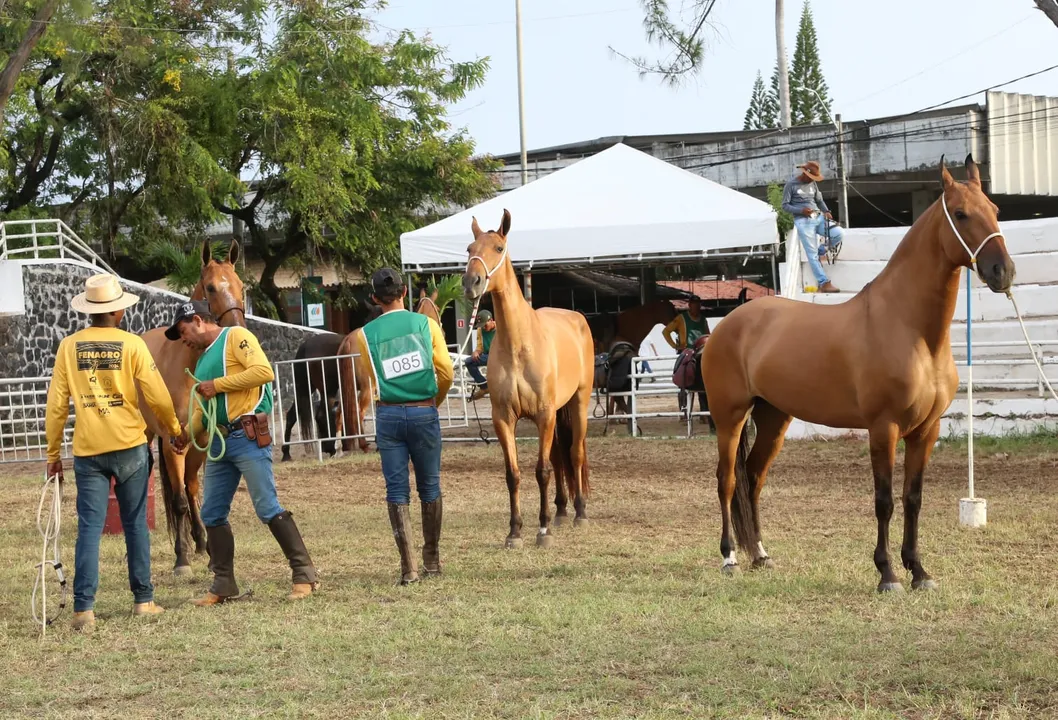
<point x="811" y="169"/>
<point x="103" y="294"/>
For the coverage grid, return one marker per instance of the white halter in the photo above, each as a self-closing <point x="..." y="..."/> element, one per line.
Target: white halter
<point x="973" y="255"/>
<point x="488" y="276"/>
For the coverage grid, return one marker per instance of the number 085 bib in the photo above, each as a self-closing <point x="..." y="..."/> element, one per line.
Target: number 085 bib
<point x="401" y="349"/>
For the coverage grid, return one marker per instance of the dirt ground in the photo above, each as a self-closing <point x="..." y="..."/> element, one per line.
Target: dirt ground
<point x="629" y="617"/>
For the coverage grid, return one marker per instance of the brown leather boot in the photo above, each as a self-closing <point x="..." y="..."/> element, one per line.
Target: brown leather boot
<point x="431" y="537"/>
<point x="303" y="572"/>
<point x="222" y="558"/>
<point x="828" y="287"/>
<point x="401" y="524"/>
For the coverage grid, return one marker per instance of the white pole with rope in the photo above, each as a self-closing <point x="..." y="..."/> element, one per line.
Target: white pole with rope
<point x="973" y="511"/>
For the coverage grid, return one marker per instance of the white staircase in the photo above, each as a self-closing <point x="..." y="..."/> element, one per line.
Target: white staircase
<point x="1008" y="394"/>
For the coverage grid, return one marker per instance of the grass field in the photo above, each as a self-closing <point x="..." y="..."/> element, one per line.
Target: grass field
<point x="629" y="617"/>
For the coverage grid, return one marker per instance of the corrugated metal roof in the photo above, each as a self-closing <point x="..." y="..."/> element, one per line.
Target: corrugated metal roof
<point x="1022" y="144"/>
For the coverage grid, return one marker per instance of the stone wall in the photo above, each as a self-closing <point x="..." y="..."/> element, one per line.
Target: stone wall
<point x="28" y="342"/>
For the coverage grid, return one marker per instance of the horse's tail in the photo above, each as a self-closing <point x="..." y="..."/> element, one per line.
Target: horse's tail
<point x="742" y="501"/>
<point x="168" y="497"/>
<point x="562" y="455"/>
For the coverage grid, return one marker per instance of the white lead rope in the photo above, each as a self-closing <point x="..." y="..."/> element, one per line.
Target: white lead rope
<point x="49" y="530"/>
<point x="1025" y="332"/>
<point x="477" y="303"/>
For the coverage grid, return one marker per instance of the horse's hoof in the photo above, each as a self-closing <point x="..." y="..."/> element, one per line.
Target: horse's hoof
<point x="890" y="587"/>
<point x="580" y="522"/>
<point x="764" y="563"/>
<point x="514" y="543"/>
<point x="559" y="521"/>
<point x="182" y="571"/>
<point x="286" y="458"/>
<point x="927" y="584"/>
<point x="731" y="570"/>
<point x="544" y="540"/>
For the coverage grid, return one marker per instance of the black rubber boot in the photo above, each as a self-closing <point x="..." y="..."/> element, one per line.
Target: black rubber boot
<point x="400" y="521"/>
<point x="222" y="559"/>
<point x="431" y="537"/>
<point x="289" y="538"/>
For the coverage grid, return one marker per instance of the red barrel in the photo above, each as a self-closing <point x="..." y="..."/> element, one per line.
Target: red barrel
<point x="112" y="525"/>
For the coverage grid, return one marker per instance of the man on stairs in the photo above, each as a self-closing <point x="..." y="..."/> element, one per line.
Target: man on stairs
<point x="802" y="199"/>
<point x="412" y="370"/>
<point x="234" y="370"/>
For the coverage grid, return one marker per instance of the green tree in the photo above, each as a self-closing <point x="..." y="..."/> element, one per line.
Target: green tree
<point x="94" y="126"/>
<point x="807" y="85"/>
<point x="763" y="108"/>
<point x="348" y="139"/>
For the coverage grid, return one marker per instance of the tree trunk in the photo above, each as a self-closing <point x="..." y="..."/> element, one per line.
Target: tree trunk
<point x="1049" y="8"/>
<point x="9" y="75"/>
<point x="784" y="75"/>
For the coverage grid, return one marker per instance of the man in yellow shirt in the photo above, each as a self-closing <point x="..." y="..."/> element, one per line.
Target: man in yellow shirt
<point x="234" y="370"/>
<point x="410" y="366"/>
<point x="100" y="367"/>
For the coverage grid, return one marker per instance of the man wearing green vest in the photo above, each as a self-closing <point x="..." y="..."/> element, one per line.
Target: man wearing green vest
<point x="234" y="370"/>
<point x="412" y="371"/>
<point x="689" y="326"/>
<point x="486" y="327"/>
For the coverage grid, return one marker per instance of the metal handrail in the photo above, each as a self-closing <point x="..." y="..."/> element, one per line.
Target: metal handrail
<point x="66" y="242"/>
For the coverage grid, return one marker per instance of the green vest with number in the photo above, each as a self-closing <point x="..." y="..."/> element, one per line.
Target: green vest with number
<point x="695" y="328"/>
<point x="212" y="365"/>
<point x="400" y="346"/>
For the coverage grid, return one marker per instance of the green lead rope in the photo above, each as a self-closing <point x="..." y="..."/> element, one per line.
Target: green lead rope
<point x="209" y="419"/>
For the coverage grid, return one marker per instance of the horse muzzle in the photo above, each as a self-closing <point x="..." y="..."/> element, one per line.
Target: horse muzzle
<point x="996" y="268"/>
<point x="473" y="285"/>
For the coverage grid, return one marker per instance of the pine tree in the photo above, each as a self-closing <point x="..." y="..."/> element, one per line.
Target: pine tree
<point x="806" y="76"/>
<point x="761" y="112"/>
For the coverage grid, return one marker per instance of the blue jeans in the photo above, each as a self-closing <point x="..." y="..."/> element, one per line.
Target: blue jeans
<point x="807" y="231"/>
<point x="403" y="433"/>
<point x="130" y="469"/>
<point x="241" y="459"/>
<point x="473" y="366"/>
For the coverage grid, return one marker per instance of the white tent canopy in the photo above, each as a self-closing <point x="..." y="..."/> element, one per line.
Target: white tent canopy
<point x="618" y="207"/>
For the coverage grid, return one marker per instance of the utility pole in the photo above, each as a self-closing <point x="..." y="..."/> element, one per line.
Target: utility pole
<point x="521" y="90"/>
<point x="842" y="175"/>
<point x="528" y="289"/>
<point x="784" y="76"/>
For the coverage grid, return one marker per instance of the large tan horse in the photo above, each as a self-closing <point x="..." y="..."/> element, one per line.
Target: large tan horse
<point x="540" y="367"/>
<point x="219" y="284"/>
<point x="881" y="361"/>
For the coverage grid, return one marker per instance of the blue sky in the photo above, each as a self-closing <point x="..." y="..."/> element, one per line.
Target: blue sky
<point x="878" y="59"/>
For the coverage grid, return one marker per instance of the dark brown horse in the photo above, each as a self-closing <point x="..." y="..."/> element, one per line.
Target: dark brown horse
<point x="311" y="377"/>
<point x="881" y="361"/>
<point x="220" y="285"/>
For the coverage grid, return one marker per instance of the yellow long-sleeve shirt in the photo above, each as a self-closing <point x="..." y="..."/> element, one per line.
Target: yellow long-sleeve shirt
<point x="100" y="369"/>
<point x="442" y="361"/>
<point x="246" y="372"/>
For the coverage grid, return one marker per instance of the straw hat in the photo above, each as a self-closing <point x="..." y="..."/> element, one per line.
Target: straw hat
<point x="103" y="294"/>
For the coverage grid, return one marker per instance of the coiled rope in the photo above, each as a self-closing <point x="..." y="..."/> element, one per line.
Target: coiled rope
<point x="209" y="419"/>
<point x="49" y="523"/>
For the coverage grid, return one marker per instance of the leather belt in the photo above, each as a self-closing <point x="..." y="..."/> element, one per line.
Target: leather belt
<point x="228" y="429"/>
<point x="416" y="403"/>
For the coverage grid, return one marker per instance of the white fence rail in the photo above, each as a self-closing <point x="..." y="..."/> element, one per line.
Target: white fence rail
<point x="23" y="408"/>
<point x="45" y="239"/>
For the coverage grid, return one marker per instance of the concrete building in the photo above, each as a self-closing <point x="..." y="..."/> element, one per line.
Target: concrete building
<point x="891" y="163"/>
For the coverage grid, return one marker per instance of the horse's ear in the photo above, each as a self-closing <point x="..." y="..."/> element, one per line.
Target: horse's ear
<point x="475" y="229"/>
<point x="233" y="251"/>
<point x="973" y="173"/>
<point x="946" y="180"/>
<point x="434" y="294"/>
<point x="505" y="223"/>
<point x="207" y="253"/>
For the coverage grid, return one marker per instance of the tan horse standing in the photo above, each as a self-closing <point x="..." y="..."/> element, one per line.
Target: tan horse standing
<point x="218" y="284"/>
<point x="540" y="367"/>
<point x="881" y="361"/>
